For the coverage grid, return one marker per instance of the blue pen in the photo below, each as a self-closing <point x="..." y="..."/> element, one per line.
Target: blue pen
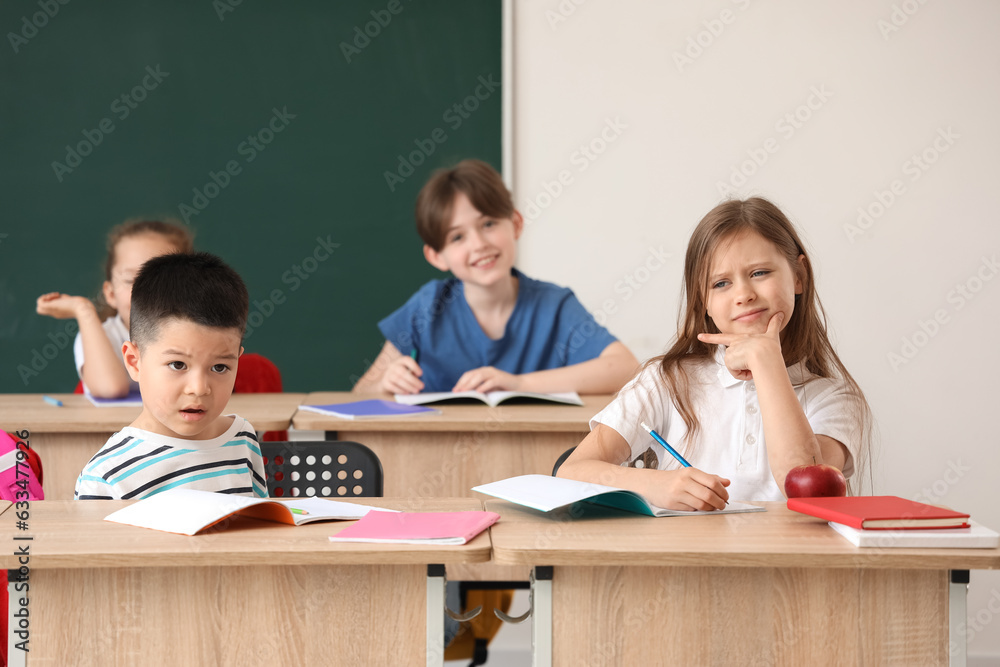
<point x="413" y="354"/>
<point x="52" y="401"/>
<point x="659" y="439"/>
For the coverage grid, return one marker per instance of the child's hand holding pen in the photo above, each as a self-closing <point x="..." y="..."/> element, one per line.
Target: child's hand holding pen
<point x="403" y="376"/>
<point x="688" y="488"/>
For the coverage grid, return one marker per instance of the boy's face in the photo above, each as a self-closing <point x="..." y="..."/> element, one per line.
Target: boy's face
<point x="186" y="377"/>
<point x="478" y="249"/>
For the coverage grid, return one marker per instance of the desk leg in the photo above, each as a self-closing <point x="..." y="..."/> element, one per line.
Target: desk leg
<point x="958" y="593"/>
<point x="435" y="615"/>
<point x="541" y="616"/>
<point x="15" y="656"/>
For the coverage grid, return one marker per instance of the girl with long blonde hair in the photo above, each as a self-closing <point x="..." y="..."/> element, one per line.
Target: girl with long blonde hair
<point x="750" y="387"/>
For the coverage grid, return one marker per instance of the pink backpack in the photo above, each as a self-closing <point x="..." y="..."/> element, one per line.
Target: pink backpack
<point x="17" y="480"/>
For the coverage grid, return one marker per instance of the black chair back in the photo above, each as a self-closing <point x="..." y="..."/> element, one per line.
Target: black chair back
<point x="562" y="457"/>
<point x="325" y="468"/>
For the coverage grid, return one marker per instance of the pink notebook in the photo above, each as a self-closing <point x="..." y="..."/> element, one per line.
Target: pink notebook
<point x="417" y="527"/>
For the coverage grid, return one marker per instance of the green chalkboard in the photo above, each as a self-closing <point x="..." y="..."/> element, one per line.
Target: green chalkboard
<point x="292" y="137"/>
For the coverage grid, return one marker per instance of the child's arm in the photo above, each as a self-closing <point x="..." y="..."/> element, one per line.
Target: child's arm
<point x="789" y="436"/>
<point x="604" y="374"/>
<point x="391" y="372"/>
<point x="597" y="460"/>
<point x="102" y="372"/>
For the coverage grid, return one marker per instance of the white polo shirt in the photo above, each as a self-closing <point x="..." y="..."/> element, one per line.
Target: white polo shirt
<point x="730" y="442"/>
<point x="116" y="332"/>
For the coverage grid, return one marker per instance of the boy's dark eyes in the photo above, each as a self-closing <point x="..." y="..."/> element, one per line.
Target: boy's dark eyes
<point x="180" y="366"/>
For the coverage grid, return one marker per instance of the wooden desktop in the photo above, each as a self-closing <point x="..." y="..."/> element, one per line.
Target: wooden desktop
<point x="774" y="587"/>
<point x="248" y="592"/>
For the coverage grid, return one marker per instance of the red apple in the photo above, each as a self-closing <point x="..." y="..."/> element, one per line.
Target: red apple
<point x="815" y="480"/>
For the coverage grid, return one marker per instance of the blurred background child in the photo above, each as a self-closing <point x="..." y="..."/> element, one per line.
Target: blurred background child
<point x="104" y="325"/>
<point x="489" y="327"/>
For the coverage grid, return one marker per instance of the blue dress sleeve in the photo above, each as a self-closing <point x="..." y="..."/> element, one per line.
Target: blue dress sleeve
<point x="404" y="326"/>
<point x="584" y="338"/>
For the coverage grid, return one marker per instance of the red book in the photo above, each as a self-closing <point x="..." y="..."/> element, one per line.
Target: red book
<point x="879" y="512"/>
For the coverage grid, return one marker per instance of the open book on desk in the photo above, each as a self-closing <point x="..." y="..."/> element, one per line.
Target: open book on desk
<point x="545" y="493"/>
<point x="188" y="511"/>
<point x="492" y="399"/>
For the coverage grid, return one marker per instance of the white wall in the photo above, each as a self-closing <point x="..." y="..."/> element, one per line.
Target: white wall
<point x="683" y="128"/>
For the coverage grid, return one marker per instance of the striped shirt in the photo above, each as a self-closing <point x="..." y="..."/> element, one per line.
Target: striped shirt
<point x="136" y="463"/>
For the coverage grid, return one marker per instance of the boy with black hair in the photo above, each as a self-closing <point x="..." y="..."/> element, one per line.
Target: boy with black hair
<point x="189" y="313"/>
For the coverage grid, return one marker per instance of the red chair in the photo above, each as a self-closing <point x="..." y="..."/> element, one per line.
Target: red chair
<point x="257" y="374"/>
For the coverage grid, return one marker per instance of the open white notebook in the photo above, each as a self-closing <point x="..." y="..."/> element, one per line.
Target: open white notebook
<point x="187" y="511"/>
<point x="545" y="493"/>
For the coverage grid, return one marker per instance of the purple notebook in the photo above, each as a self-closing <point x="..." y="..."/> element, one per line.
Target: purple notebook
<point x="134" y="398"/>
<point x="370" y="409"/>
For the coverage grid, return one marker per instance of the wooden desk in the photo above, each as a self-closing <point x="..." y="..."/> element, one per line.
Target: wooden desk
<point x="248" y="593"/>
<point x="774" y="588"/>
<point x="65" y="438"/>
<point x="466" y="445"/>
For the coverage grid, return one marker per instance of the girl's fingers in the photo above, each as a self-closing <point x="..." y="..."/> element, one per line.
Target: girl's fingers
<point x="403" y="377"/>
<point x="709" y="489"/>
<point x="463" y="382"/>
<point x="474" y="380"/>
<point x="774" y="324"/>
<point x="718" y="339"/>
<point x="412" y="366"/>
<point x="402" y="388"/>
